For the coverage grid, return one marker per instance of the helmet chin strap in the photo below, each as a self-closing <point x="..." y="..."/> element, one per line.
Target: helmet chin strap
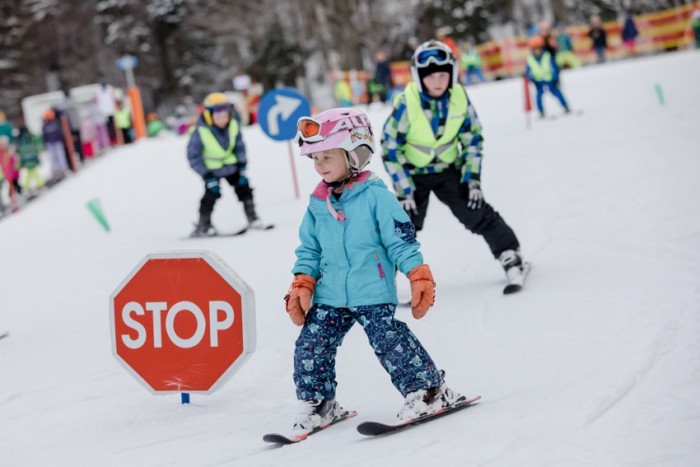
<point x="339" y="183"/>
<point x="342" y="182"/>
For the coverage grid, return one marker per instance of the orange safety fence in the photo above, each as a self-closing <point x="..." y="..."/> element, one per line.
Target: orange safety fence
<point x="658" y="31"/>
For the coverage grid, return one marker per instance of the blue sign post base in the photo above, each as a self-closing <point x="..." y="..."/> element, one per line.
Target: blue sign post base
<point x="185" y="398"/>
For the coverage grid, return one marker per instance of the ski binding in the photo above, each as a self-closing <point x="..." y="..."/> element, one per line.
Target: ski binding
<point x="279" y="439"/>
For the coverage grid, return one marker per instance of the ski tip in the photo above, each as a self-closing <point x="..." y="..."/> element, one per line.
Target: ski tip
<point x="276" y="438"/>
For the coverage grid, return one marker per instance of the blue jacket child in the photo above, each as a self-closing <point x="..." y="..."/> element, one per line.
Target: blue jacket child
<point x="354" y="237"/>
<point x="543" y="72"/>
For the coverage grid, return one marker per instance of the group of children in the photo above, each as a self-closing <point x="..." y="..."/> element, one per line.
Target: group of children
<point x="356" y="235"/>
<point x="19" y="153"/>
<point x="70" y="135"/>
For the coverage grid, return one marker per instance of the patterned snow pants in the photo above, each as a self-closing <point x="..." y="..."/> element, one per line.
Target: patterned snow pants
<point x="398" y="350"/>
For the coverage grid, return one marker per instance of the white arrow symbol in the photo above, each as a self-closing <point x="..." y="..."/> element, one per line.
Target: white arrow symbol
<point x="284" y="106"/>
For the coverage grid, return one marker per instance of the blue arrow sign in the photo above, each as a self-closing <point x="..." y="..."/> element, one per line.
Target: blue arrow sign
<point x="127" y="62"/>
<point x="279" y="111"/>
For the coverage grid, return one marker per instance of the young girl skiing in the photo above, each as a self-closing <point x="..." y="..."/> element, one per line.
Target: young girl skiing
<point x="354" y="236"/>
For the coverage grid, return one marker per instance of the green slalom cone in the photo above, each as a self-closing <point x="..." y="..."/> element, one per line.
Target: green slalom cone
<point x="660" y="94"/>
<point x="95" y="208"/>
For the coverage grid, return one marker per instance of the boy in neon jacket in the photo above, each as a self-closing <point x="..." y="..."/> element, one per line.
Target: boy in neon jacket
<point x="432" y="143"/>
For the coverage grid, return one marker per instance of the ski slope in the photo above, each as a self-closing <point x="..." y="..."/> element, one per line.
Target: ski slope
<point x="595" y="363"/>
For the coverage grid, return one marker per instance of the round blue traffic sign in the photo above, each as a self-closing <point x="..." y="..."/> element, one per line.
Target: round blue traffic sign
<point x="279" y="111"/>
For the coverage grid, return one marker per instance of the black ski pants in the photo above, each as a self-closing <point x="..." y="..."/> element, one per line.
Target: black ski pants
<point x="484" y="221"/>
<point x="243" y="191"/>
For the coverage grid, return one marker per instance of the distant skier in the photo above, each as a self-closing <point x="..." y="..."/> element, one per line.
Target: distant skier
<point x="215" y="151"/>
<point x="28" y="149"/>
<point x="565" y="56"/>
<point x="354" y="237"/>
<point x="432" y="143"/>
<point x="599" y="38"/>
<point x="471" y="63"/>
<point x="9" y="162"/>
<point x="542" y="70"/>
<point x="52" y="133"/>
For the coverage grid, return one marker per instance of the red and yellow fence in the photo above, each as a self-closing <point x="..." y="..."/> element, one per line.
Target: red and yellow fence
<point x="662" y="30"/>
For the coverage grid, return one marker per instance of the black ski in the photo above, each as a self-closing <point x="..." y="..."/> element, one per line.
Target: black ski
<point x="378" y="428"/>
<point x="245" y="229"/>
<point x="277" y="438"/>
<point x="236" y="233"/>
<point x="516" y="287"/>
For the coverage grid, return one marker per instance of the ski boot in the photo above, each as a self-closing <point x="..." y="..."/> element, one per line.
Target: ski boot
<point x="316" y="414"/>
<point x="514" y="266"/>
<point x="253" y="221"/>
<point x="427" y="401"/>
<point x="512" y="263"/>
<point x="203" y="228"/>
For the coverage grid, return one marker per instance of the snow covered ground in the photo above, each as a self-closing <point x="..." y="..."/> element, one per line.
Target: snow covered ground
<point x="596" y="363"/>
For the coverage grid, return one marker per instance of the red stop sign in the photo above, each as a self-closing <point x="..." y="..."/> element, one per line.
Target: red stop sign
<point x="182" y="322"/>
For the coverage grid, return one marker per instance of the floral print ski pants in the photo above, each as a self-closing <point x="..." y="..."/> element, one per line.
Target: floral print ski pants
<point x="398" y="350"/>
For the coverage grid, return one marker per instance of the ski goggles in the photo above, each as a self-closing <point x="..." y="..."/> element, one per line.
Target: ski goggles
<point x="310" y="130"/>
<point x="437" y="56"/>
<point x="226" y="107"/>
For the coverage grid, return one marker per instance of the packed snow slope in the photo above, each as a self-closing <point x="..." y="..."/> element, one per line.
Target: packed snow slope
<point x="595" y="363"/>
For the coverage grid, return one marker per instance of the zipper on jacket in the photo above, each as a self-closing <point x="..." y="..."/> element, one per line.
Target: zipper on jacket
<point x="379" y="266"/>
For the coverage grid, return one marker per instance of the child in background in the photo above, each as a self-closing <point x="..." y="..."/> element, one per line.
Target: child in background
<point x="598" y="38"/>
<point x="695" y="25"/>
<point x="471" y="63"/>
<point x="342" y="90"/>
<point x="52" y="133"/>
<point x="543" y="72"/>
<point x="28" y="149"/>
<point x="565" y="56"/>
<point x="88" y="133"/>
<point x="10" y="164"/>
<point x="354" y="237"/>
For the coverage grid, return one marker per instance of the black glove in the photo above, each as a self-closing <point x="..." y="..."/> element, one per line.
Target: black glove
<point x="211" y="183"/>
<point x="471" y="191"/>
<point x="242" y="175"/>
<point x="408" y="204"/>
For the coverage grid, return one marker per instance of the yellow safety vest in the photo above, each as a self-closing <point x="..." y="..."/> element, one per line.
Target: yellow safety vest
<point x="122" y="118"/>
<point x="214" y="155"/>
<point x="542" y="70"/>
<point x="421" y="146"/>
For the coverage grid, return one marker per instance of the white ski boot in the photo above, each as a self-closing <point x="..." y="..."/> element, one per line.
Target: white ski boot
<point x="516" y="269"/>
<point x="428" y="401"/>
<point x="316" y="414"/>
<point x="512" y="263"/>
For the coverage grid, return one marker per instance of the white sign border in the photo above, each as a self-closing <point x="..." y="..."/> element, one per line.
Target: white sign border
<point x="247" y="311"/>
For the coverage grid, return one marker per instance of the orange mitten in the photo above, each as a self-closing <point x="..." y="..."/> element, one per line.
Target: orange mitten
<point x="299" y="297"/>
<point x="422" y="290"/>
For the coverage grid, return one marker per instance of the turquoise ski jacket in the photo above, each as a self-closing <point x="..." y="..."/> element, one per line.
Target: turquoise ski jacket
<point x="354" y="256"/>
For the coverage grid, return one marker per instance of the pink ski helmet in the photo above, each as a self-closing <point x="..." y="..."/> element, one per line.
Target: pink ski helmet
<point x="342" y="128"/>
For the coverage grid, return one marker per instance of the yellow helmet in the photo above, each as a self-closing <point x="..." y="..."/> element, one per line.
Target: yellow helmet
<point x="215" y="101"/>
